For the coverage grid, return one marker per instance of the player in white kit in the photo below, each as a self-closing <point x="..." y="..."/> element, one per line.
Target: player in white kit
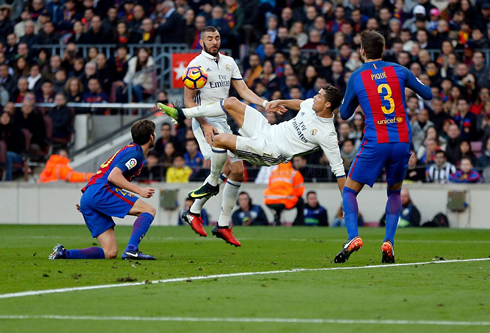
<point x="264" y="144"/>
<point x="222" y="72"/>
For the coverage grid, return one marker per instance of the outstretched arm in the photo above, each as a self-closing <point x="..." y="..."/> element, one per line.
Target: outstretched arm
<point x="292" y="104"/>
<point x="416" y="85"/>
<point x="350" y="101"/>
<point x="246" y="93"/>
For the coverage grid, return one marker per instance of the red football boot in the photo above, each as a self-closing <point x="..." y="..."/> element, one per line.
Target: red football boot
<point x="195" y="221"/>
<point x="226" y="234"/>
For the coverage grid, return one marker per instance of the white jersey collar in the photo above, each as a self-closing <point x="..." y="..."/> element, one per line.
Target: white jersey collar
<point x="207" y="55"/>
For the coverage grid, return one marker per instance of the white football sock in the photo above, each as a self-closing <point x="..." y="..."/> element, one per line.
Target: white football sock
<point x="199" y="203"/>
<point x="209" y="110"/>
<point x="218" y="159"/>
<point x="230" y="195"/>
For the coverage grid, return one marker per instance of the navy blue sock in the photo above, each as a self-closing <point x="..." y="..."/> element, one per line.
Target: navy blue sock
<point x="140" y="227"/>
<point x="88" y="253"/>
<point x="351" y="211"/>
<point x="393" y="209"/>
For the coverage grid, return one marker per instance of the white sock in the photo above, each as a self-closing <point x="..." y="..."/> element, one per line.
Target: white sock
<point x="209" y="110"/>
<point x="218" y="159"/>
<point x="230" y="195"/>
<point x="199" y="203"/>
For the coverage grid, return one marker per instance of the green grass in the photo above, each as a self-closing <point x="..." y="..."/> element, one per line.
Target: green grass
<point x="442" y="292"/>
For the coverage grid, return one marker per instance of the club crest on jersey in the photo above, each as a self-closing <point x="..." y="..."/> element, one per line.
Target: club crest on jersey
<point x="228" y="69"/>
<point x="314" y="131"/>
<point x="208" y="70"/>
<point x="131" y="163"/>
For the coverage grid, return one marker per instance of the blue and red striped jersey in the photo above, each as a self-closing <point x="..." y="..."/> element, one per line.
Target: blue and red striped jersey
<point x="129" y="159"/>
<point x="379" y="88"/>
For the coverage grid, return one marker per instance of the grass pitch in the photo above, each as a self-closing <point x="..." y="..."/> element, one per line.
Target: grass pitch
<point x="446" y="297"/>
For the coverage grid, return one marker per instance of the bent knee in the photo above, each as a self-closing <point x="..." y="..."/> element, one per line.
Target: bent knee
<point x="230" y="102"/>
<point x="236" y="173"/>
<point x="110" y="252"/>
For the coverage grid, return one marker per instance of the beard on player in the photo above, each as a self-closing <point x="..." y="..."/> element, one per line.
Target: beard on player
<point x="213" y="50"/>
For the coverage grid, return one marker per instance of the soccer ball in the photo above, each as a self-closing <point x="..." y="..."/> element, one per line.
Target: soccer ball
<point x="195" y="77"/>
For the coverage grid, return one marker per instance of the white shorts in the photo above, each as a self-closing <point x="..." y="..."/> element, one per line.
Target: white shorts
<point x="257" y="145"/>
<point x="221" y="126"/>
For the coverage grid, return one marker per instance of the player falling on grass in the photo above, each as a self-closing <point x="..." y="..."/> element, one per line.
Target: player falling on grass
<point x="264" y="144"/>
<point x="379" y="88"/>
<point x="222" y="72"/>
<point x="106" y="195"/>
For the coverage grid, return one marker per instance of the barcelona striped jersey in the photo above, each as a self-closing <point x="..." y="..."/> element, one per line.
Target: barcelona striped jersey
<point x="379" y="88"/>
<point x="129" y="159"/>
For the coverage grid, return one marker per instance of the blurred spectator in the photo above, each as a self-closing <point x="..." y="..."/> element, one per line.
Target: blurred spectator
<point x="47" y="93"/>
<point x="193" y="157"/>
<point x="109" y="23"/>
<point x="193" y="39"/>
<point x="477" y="106"/>
<point x="187" y="205"/>
<point x="419" y="127"/>
<point x="315" y="215"/>
<point x="179" y="172"/>
<point x="90" y="72"/>
<point x="21" y="68"/>
<point x="466" y="121"/>
<point x="166" y="132"/>
<point x="62" y="118"/>
<point x="172" y="27"/>
<point x="78" y="36"/>
<point x="439" y="171"/>
<point x="74" y="90"/>
<point x="137" y="20"/>
<point x="452" y="146"/>
<point x="54" y="66"/>
<point x="95" y="95"/>
<point x="254" y="70"/>
<point x="438" y="115"/>
<point x="484" y="160"/>
<point x="57" y="169"/>
<point x="348" y="153"/>
<point x="465" y="151"/>
<point x="7" y="81"/>
<point x="479" y="69"/>
<point x="297" y="32"/>
<point x="96" y="35"/>
<point x="6" y="26"/>
<point x="248" y="213"/>
<point x="285" y="191"/>
<point x="15" y="141"/>
<point x="124" y="36"/>
<point x="466" y="174"/>
<point x="152" y="171"/>
<point x="409" y="216"/>
<point x="415" y="171"/>
<point x="309" y="174"/>
<point x="139" y="75"/>
<point x="18" y="95"/>
<point x="104" y="73"/>
<point x="33" y="121"/>
<point x="34" y="80"/>
<point x="48" y="35"/>
<point x="426" y="152"/>
<point x="59" y="81"/>
<point x="147" y="32"/>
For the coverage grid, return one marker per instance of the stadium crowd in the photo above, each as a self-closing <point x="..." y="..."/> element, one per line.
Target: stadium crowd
<point x="287" y="49"/>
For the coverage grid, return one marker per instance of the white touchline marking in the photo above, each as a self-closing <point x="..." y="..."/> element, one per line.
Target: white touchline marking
<point x="196" y="278"/>
<point x="257" y="320"/>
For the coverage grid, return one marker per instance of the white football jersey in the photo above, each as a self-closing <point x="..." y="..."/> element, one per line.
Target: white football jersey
<point x="220" y="73"/>
<point x="308" y="132"/>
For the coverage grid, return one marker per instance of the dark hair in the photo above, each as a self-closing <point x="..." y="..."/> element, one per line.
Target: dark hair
<point x="310" y="192"/>
<point x="332" y="96"/>
<point x="142" y="130"/>
<point x="166" y="124"/>
<point x="466" y="158"/>
<point x="208" y="28"/>
<point x="153" y="153"/>
<point x="348" y="140"/>
<point x="373" y="44"/>
<point x="441" y="152"/>
<point x="191" y="139"/>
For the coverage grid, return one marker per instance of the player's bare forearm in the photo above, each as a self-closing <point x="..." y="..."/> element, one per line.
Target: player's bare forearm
<point x="341" y="184"/>
<point x="116" y="177"/>
<point x="201" y="120"/>
<point x="293" y="104"/>
<point x="246" y="93"/>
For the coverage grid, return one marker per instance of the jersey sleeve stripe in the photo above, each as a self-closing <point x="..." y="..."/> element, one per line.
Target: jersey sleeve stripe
<point x="375" y="103"/>
<point x="400" y="113"/>
<point x="237" y="79"/>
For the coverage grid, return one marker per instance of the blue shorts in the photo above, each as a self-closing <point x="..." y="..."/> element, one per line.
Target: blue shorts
<point x="100" y="202"/>
<point x="372" y="158"/>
